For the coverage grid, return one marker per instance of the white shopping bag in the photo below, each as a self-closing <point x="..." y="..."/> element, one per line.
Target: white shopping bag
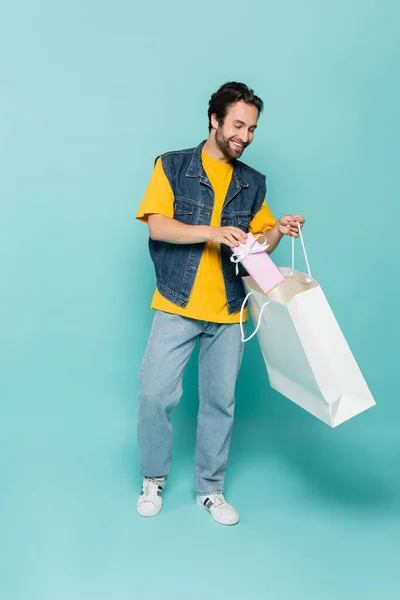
<point x="307" y="357"/>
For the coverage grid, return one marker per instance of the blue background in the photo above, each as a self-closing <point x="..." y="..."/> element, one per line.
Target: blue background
<point x="90" y="93"/>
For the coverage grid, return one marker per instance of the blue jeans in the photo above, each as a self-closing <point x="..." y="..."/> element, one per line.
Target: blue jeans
<point x="172" y="341"/>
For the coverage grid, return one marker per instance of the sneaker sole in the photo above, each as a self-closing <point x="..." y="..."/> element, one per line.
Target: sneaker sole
<point x="147" y="515"/>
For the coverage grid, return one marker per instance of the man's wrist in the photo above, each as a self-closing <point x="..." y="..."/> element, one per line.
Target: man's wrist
<point x="276" y="228"/>
<point x="204" y="232"/>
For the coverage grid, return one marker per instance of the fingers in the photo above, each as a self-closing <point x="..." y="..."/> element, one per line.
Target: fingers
<point x="292" y="220"/>
<point x="294" y="231"/>
<point x="230" y="236"/>
<point x="237" y="235"/>
<point x="284" y="230"/>
<point x="290" y="224"/>
<point x="230" y="241"/>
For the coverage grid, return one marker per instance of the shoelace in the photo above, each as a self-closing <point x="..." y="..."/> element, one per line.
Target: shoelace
<point x="150" y="488"/>
<point x="220" y="502"/>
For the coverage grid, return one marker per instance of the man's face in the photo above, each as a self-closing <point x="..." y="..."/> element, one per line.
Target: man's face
<point x="237" y="131"/>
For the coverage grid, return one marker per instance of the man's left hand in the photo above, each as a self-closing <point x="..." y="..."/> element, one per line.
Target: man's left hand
<point x="288" y="225"/>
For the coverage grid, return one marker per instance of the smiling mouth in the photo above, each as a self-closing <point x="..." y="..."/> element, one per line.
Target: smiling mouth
<point x="237" y="145"/>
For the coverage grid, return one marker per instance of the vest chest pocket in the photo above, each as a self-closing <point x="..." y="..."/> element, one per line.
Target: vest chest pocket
<point x="243" y="221"/>
<point x="184" y="210"/>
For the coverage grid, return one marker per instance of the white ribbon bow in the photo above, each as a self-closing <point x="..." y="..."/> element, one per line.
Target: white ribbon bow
<point x="243" y="251"/>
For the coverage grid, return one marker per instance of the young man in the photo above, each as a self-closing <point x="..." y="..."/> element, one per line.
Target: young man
<point x="200" y="203"/>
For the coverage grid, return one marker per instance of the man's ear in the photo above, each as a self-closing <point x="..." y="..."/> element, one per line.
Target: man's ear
<point x="214" y="121"/>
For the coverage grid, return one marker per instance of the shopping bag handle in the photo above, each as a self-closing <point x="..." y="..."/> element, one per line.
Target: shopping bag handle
<point x="304" y="250"/>
<point x="268" y="302"/>
<point x="259" y="318"/>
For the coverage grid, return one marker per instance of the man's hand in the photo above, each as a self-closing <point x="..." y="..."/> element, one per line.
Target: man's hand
<point x="288" y="225"/>
<point x="165" y="229"/>
<point x="231" y="236"/>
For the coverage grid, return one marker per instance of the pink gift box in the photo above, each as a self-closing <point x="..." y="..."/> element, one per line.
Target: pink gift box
<point x="254" y="258"/>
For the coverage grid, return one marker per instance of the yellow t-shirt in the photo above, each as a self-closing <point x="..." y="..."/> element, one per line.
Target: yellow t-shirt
<point x="207" y="301"/>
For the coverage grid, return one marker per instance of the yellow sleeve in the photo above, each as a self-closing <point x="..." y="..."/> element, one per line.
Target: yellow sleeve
<point x="159" y="197"/>
<point x="262" y="221"/>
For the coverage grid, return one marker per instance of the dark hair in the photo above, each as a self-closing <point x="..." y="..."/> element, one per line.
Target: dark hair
<point x="228" y="94"/>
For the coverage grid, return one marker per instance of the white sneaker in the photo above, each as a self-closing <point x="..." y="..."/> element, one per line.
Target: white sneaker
<point x="150" y="499"/>
<point x="220" y="510"/>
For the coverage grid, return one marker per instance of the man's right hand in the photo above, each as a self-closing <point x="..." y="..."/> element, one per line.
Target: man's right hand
<point x="231" y="236"/>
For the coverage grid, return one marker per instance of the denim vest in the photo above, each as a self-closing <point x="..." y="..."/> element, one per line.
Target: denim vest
<point x="176" y="264"/>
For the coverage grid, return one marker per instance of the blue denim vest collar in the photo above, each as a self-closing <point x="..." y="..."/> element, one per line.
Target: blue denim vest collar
<point x="176" y="264"/>
<point x="196" y="169"/>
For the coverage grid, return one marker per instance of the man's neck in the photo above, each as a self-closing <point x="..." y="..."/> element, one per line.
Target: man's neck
<point x="212" y="149"/>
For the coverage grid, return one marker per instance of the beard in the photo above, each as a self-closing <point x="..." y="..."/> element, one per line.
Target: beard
<point x="224" y="145"/>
